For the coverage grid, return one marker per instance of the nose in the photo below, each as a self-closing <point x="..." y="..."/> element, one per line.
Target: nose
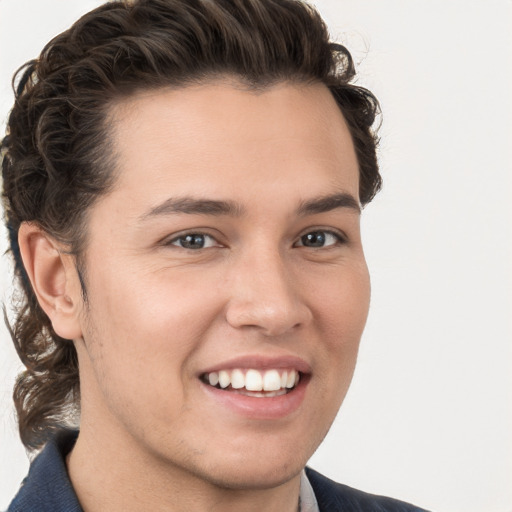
<point x="266" y="296"/>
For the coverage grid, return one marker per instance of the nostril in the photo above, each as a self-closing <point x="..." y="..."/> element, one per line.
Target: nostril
<point x="270" y="319"/>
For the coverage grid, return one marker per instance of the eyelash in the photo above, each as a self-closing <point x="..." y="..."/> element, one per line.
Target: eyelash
<point x="339" y="239"/>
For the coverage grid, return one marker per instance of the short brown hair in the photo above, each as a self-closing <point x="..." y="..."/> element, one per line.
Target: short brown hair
<point x="56" y="155"/>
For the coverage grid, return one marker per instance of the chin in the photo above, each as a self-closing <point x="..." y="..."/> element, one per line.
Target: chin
<point x="253" y="476"/>
<point x="266" y="464"/>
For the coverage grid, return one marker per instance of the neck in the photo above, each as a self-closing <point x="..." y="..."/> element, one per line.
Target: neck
<point x="108" y="474"/>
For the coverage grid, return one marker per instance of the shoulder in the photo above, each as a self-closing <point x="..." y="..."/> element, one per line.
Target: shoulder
<point x="47" y="487"/>
<point x="332" y="497"/>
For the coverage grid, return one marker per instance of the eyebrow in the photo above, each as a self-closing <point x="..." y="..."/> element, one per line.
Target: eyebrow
<point x="328" y="203"/>
<point x="195" y="206"/>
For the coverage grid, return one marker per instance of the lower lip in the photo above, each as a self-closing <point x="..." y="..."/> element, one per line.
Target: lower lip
<point x="261" y="408"/>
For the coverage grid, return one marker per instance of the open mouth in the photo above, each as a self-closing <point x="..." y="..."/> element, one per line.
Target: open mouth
<point x="255" y="383"/>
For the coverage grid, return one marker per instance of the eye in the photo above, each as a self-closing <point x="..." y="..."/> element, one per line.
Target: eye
<point x="194" y="241"/>
<point x="319" y="239"/>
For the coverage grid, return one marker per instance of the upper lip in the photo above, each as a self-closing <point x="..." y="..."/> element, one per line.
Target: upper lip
<point x="259" y="362"/>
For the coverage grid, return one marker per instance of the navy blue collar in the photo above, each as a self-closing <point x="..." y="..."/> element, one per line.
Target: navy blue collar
<point x="47" y="487"/>
<point x="334" y="497"/>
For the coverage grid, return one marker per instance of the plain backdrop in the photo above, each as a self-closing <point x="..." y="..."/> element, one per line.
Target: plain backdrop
<point x="429" y="416"/>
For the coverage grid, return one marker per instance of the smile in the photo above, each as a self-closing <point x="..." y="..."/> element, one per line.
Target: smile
<point x="255" y="383"/>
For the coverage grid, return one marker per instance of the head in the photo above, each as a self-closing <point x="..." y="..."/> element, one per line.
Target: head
<point x="98" y="99"/>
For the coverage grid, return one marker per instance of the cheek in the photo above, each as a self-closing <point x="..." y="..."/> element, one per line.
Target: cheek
<point x="136" y="361"/>
<point x="341" y="311"/>
<point x="148" y="324"/>
<point x="342" y="306"/>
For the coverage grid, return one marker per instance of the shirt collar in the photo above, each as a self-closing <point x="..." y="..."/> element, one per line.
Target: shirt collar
<point x="307" y="497"/>
<point x="47" y="487"/>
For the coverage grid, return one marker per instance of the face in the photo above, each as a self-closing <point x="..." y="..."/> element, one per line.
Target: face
<point x="226" y="281"/>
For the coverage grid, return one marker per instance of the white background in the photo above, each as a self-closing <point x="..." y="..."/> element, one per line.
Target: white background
<point x="429" y="415"/>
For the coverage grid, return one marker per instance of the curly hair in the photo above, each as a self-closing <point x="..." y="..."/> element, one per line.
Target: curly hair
<point x="56" y="157"/>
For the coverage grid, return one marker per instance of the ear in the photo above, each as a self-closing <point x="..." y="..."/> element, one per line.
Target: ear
<point x="54" y="279"/>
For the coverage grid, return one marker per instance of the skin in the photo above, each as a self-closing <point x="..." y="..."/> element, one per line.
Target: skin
<point x="158" y="315"/>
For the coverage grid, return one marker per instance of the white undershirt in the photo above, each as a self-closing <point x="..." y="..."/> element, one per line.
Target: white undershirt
<point x="307" y="497"/>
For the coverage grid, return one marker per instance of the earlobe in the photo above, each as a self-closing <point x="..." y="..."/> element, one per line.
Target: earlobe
<point x="53" y="277"/>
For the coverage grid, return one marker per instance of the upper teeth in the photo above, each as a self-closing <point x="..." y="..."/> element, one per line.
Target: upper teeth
<point x="254" y="380"/>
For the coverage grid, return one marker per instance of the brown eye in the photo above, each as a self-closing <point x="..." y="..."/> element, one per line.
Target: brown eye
<point x="194" y="241"/>
<point x="319" y="239"/>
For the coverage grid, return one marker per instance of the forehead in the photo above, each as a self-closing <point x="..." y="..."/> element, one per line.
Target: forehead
<point x="219" y="138"/>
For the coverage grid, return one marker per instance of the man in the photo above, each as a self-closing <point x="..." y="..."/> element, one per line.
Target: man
<point x="183" y="184"/>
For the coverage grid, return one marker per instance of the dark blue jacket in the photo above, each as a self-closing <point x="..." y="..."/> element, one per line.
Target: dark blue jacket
<point x="47" y="487"/>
